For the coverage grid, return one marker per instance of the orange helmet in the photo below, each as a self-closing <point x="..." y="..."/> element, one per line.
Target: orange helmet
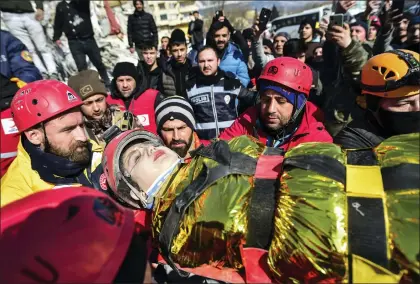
<point x="392" y="74"/>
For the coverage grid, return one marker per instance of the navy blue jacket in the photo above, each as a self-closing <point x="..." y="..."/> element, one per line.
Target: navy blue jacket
<point x="15" y="60"/>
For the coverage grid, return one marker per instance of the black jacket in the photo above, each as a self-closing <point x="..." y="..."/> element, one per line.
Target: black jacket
<point x="141" y="28"/>
<point x="19" y="6"/>
<point x="73" y="19"/>
<point x="152" y="77"/>
<point x="195" y="30"/>
<point x="174" y="78"/>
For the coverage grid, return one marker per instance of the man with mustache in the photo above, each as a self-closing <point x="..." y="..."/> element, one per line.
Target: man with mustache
<point x="176" y="126"/>
<point x="230" y="55"/>
<point x="130" y="91"/>
<point x="98" y="115"/>
<point x="53" y="150"/>
<point x="214" y="94"/>
<point x="284" y="118"/>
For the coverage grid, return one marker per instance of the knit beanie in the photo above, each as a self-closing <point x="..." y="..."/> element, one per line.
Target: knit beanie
<point x="125" y="69"/>
<point x="362" y="24"/>
<point x="87" y="83"/>
<point x="268" y="43"/>
<point x="135" y="1"/>
<point x="177" y="37"/>
<point x="175" y="107"/>
<point x="290" y="96"/>
<point x="283" y="34"/>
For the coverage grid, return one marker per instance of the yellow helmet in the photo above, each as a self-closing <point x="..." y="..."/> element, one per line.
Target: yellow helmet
<point x="393" y="74"/>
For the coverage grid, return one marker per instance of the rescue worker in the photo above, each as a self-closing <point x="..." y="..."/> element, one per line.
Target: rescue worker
<point x="217" y="182"/>
<point x="175" y="122"/>
<point x="97" y="114"/>
<point x="130" y="92"/>
<point x="16" y="69"/>
<point x="71" y="235"/>
<point x="390" y="83"/>
<point x="53" y="149"/>
<point x="215" y="94"/>
<point x="284" y="118"/>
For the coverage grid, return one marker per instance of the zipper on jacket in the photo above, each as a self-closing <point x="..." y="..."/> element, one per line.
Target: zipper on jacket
<point x="213" y="106"/>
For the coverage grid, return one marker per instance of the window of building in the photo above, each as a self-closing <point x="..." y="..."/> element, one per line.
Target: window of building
<point x="173" y="17"/>
<point x="172" y="5"/>
<point x="164" y="17"/>
<point x="151" y="8"/>
<point x="161" y="6"/>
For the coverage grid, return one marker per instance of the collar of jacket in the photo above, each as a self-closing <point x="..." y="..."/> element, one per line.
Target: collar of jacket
<point x="229" y="49"/>
<point x="52" y="168"/>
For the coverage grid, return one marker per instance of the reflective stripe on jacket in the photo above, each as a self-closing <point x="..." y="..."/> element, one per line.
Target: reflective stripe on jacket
<point x="9" y="141"/>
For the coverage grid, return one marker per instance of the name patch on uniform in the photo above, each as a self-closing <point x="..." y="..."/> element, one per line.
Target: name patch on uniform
<point x="144" y="119"/>
<point x="200" y="99"/>
<point x="26" y="56"/>
<point x="9" y="126"/>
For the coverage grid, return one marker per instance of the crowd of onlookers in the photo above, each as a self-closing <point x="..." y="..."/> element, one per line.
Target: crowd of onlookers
<point x="354" y="83"/>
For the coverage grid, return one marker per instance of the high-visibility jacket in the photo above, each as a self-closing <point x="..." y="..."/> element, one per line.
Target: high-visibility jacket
<point x="21" y="180"/>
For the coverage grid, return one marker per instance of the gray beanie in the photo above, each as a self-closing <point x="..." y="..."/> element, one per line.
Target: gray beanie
<point x="175" y="107"/>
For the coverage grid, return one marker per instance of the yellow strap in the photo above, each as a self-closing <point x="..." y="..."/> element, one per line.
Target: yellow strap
<point x="364" y="181"/>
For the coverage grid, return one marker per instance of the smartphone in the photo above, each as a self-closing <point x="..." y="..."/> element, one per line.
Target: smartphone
<point x="219" y="14"/>
<point x="398" y="5"/>
<point x="336" y="20"/>
<point x="265" y="16"/>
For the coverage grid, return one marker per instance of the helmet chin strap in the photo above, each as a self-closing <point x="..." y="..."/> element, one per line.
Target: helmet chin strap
<point x="47" y="145"/>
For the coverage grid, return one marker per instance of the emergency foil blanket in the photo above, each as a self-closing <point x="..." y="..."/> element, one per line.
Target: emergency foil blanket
<point x="324" y="232"/>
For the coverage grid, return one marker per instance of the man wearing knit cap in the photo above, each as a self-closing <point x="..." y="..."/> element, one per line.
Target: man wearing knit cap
<point x="175" y="72"/>
<point x="176" y="125"/>
<point x="359" y="30"/>
<point x="129" y="90"/>
<point x="98" y="115"/>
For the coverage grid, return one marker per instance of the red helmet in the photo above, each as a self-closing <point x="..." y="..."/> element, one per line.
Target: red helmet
<point x="41" y="100"/>
<point x="119" y="184"/>
<point x="289" y="72"/>
<point x="68" y="235"/>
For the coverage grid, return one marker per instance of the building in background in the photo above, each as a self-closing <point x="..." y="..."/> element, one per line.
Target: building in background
<point x="171" y="14"/>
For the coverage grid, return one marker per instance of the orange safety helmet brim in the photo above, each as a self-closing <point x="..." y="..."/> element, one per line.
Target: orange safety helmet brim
<point x="390" y="69"/>
<point x="40" y="101"/>
<point x="68" y="235"/>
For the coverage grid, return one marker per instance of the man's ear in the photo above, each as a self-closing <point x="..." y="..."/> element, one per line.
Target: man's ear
<point x="218" y="61"/>
<point x="35" y="136"/>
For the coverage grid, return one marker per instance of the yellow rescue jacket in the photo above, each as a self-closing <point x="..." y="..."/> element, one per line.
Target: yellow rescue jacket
<point x="21" y="181"/>
<point x="348" y="216"/>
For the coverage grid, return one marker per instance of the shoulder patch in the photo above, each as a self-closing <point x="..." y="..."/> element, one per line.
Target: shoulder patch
<point x="26" y="56"/>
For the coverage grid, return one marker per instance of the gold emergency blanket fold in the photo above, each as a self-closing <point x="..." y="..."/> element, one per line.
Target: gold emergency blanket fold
<point x="310" y="241"/>
<point x="215" y="224"/>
